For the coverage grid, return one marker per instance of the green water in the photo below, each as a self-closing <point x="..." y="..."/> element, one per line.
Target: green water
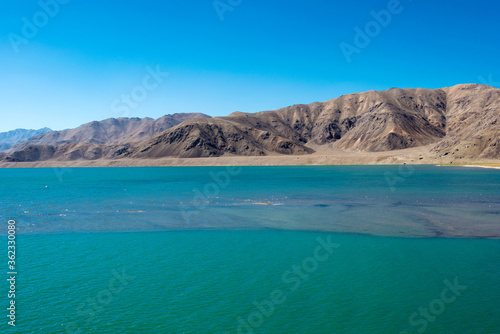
<point x="203" y="281"/>
<point x="191" y="250"/>
<point x="410" y="201"/>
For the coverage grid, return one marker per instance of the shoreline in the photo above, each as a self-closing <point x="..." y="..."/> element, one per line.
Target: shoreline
<point x="411" y="156"/>
<point x="481" y="166"/>
<point x="193" y="162"/>
<point x="237" y="230"/>
<point x="478" y="165"/>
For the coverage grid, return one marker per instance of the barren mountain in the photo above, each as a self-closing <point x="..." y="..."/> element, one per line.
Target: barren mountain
<point x="460" y="122"/>
<point x="369" y="121"/>
<point x="10" y="138"/>
<point x="108" y="132"/>
<point x="473" y="123"/>
<point x="214" y="137"/>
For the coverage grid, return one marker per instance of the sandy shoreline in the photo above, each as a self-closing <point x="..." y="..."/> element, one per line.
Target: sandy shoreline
<point x="481" y="166"/>
<point x="419" y="155"/>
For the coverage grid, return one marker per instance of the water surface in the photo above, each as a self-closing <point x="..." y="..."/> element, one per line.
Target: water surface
<point x="205" y="250"/>
<point x="379" y="200"/>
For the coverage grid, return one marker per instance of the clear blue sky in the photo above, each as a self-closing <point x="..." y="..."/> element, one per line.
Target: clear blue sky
<point x="263" y="55"/>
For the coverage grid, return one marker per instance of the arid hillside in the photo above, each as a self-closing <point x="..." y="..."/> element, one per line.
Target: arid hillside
<point x="459" y="122"/>
<point x="111" y="131"/>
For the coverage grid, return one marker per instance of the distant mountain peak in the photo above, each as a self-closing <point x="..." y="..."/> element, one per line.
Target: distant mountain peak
<point x="109" y="131"/>
<point x="11" y="138"/>
<point x="461" y="122"/>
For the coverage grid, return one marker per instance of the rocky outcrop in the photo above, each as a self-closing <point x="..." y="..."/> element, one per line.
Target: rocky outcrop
<point x="111" y="131"/>
<point x="11" y="138"/>
<point x="216" y="137"/>
<point x="461" y="121"/>
<point x="473" y="123"/>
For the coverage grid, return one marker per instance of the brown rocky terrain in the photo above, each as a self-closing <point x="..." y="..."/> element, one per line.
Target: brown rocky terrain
<point x="459" y="123"/>
<point x="473" y="123"/>
<point x="111" y="131"/>
<point x="11" y="138"/>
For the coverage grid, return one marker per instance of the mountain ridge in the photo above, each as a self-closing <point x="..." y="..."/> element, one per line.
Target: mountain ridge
<point x="462" y="121"/>
<point x="12" y="137"/>
<point x="111" y="131"/>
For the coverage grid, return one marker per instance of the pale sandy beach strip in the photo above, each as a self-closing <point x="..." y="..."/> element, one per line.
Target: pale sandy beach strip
<point x="416" y="155"/>
<point x="480" y="166"/>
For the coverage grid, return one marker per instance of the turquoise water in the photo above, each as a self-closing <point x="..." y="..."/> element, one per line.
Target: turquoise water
<point x="203" y="281"/>
<point x="171" y="250"/>
<point x="379" y="200"/>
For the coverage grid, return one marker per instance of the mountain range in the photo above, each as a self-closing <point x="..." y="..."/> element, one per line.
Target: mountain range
<point x="462" y="121"/>
<point x="108" y="132"/>
<point x="11" y="138"/>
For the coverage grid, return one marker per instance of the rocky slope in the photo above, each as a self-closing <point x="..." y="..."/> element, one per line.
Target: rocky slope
<point x="108" y="132"/>
<point x="473" y="123"/>
<point x="459" y="122"/>
<point x="369" y="121"/>
<point x="10" y="138"/>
